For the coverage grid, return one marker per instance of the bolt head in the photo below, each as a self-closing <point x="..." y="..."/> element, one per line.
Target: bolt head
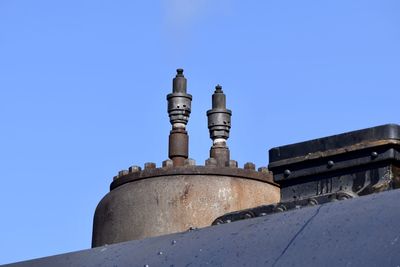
<point x="190" y="162"/>
<point x="167" y="163"/>
<point x="374" y="155"/>
<point x="233" y="163"/>
<point x="149" y="165"/>
<point x="211" y="162"/>
<point x="312" y="202"/>
<point x="250" y="166"/>
<point x="134" y="169"/>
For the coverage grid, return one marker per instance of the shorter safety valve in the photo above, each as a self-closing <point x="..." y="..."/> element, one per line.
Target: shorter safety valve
<point x="219" y="125"/>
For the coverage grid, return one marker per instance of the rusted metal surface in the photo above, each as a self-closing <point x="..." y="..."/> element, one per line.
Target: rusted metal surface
<point x="210" y="169"/>
<point x="166" y="201"/>
<point x="181" y="195"/>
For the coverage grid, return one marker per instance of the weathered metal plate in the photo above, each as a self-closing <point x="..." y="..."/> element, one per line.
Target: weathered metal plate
<point x="383" y="132"/>
<point x="174" y="203"/>
<point x="360" y="162"/>
<point x="357" y="232"/>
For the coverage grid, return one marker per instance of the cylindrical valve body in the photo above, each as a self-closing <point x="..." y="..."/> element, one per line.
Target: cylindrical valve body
<point x="219" y="118"/>
<point x="179" y="108"/>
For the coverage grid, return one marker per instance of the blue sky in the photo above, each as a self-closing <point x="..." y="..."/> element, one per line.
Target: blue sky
<point x="83" y="86"/>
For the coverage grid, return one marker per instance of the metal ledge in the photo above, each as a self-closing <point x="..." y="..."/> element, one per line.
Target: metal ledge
<point x="194" y="170"/>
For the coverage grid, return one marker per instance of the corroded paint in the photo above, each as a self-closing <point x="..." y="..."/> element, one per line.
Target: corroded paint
<point x="170" y="204"/>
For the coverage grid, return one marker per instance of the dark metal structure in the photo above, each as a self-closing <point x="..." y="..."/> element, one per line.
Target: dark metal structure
<point x="332" y="168"/>
<point x="323" y="202"/>
<point x="181" y="195"/>
<point x="179" y="108"/>
<point x="356" y="232"/>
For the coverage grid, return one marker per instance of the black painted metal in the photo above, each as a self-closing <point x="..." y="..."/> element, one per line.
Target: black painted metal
<point x="360" y="162"/>
<point x="357" y="232"/>
<point x="331" y="168"/>
<point x="383" y="132"/>
<point x="265" y="210"/>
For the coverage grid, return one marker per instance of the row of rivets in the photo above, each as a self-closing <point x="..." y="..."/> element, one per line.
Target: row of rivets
<point x="330" y="164"/>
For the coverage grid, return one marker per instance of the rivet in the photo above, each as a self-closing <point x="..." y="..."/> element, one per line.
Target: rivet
<point x="115" y="177"/>
<point x="343" y="196"/>
<point x="374" y="155"/>
<point x="312" y="202"/>
<point x="160" y="253"/>
<point x="173" y="242"/>
<point x="281" y="208"/>
<point x="330" y="164"/>
<point x="248" y="215"/>
<point x="287" y="172"/>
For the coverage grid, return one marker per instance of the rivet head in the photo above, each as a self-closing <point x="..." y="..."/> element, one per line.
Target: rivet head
<point x="211" y="162"/>
<point x="281" y="208"/>
<point x="287" y="172"/>
<point x="374" y="155"/>
<point x="167" y="163"/>
<point x="218" y="222"/>
<point x="312" y="202"/>
<point x="330" y="164"/>
<point x="248" y="215"/>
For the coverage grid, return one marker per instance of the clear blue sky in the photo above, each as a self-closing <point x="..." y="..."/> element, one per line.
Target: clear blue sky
<point x="83" y="85"/>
